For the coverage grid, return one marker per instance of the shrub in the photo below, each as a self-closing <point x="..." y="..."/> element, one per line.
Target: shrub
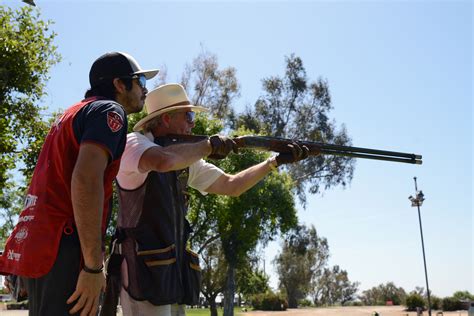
<point x="463" y="296"/>
<point x="452" y="304"/>
<point x="269" y="302"/>
<point x="413" y="301"/>
<point x="435" y="302"/>
<point x="304" y="303"/>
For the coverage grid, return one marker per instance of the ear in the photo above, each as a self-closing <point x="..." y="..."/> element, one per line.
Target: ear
<point x="165" y="119"/>
<point x="119" y="86"/>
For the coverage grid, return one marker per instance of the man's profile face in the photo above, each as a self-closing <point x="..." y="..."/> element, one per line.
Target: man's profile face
<point x="181" y="122"/>
<point x="134" y="99"/>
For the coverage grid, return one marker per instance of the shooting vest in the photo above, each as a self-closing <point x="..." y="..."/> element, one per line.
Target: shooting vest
<point x="32" y="247"/>
<point x="153" y="232"/>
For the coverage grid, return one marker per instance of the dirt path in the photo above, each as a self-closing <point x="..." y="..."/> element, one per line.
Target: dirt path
<point x="350" y="311"/>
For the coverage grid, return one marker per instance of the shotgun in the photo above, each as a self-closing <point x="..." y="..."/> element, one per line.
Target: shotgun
<point x="280" y="145"/>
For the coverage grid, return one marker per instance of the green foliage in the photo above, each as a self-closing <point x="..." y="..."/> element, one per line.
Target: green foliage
<point x="436" y="302"/>
<point x="450" y="304"/>
<point x="27" y="53"/>
<point x="463" y="296"/>
<point x="303" y="256"/>
<point x="213" y="271"/>
<point x="333" y="286"/>
<point x="240" y="222"/>
<point x="382" y="293"/>
<point x="305" y="303"/>
<point x="205" y="312"/>
<point x="134" y="118"/>
<point x="210" y="86"/>
<point x="251" y="281"/>
<point x="414" y="300"/>
<point x="294" y="107"/>
<point x="269" y="302"/>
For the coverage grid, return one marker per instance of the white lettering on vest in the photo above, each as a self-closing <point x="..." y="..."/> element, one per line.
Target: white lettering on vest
<point x="30" y="201"/>
<point x="13" y="255"/>
<point x="26" y="218"/>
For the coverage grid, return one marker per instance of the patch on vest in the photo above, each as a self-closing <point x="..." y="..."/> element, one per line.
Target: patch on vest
<point x="114" y="121"/>
<point x="21" y="235"/>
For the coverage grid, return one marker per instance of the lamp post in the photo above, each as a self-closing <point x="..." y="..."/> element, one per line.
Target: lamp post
<point x="418" y="201"/>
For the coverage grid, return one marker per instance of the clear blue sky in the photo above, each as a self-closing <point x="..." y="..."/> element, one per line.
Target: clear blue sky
<point x="400" y="75"/>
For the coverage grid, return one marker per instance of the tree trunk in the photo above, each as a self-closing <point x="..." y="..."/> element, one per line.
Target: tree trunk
<point x="292" y="301"/>
<point x="229" y="291"/>
<point x="213" y="307"/>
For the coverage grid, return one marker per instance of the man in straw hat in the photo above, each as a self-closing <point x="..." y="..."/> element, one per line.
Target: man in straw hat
<point x="56" y="247"/>
<point x="159" y="275"/>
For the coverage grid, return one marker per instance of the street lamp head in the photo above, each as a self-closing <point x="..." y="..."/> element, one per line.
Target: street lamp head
<point x="420" y="196"/>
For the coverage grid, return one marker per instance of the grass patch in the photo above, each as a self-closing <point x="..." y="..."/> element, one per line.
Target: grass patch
<point x="207" y="311"/>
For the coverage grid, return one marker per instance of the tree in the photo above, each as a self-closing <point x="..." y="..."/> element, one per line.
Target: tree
<point x="382" y="293"/>
<point x="240" y="222"/>
<point x="293" y="107"/>
<point x="251" y="280"/>
<point x="413" y="301"/>
<point x="26" y="55"/>
<point x="463" y="296"/>
<point x="209" y="86"/>
<point x="303" y="257"/>
<point x="213" y="273"/>
<point x="255" y="216"/>
<point x="333" y="286"/>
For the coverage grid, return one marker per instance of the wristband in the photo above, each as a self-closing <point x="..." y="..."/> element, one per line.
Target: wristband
<point x="93" y="271"/>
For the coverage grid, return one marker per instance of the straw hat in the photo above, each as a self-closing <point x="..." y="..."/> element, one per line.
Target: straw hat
<point x="165" y="98"/>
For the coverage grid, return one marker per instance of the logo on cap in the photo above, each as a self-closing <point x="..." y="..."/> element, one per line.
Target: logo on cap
<point x="114" y="121"/>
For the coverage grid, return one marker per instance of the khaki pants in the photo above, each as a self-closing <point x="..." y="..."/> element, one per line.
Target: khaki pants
<point x="131" y="307"/>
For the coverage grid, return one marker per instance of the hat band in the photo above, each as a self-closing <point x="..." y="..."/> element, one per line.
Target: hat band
<point x="172" y="105"/>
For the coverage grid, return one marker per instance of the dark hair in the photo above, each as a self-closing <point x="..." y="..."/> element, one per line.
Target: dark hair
<point x="107" y="89"/>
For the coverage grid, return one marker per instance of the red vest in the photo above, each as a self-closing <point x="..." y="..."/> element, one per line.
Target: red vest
<point x="32" y="247"/>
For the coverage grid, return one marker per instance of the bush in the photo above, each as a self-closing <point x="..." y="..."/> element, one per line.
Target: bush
<point x="435" y="302"/>
<point x="304" y="303"/>
<point x="269" y="302"/>
<point x="452" y="304"/>
<point x="463" y="296"/>
<point x="413" y="301"/>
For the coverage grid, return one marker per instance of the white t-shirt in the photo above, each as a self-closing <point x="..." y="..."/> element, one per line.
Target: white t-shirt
<point x="129" y="177"/>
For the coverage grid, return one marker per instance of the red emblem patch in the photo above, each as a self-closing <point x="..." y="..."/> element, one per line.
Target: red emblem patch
<point x="114" y="121"/>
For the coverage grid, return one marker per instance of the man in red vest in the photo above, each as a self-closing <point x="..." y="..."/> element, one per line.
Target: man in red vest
<point x="57" y="244"/>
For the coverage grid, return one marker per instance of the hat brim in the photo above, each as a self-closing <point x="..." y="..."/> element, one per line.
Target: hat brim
<point x="148" y="73"/>
<point x="139" y="125"/>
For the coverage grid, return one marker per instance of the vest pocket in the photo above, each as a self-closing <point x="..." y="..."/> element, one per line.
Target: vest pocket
<point x="160" y="268"/>
<point x="158" y="257"/>
<point x="191" y="278"/>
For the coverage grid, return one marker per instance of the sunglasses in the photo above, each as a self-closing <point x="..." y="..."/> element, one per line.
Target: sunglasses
<point x="190" y="116"/>
<point x="141" y="79"/>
